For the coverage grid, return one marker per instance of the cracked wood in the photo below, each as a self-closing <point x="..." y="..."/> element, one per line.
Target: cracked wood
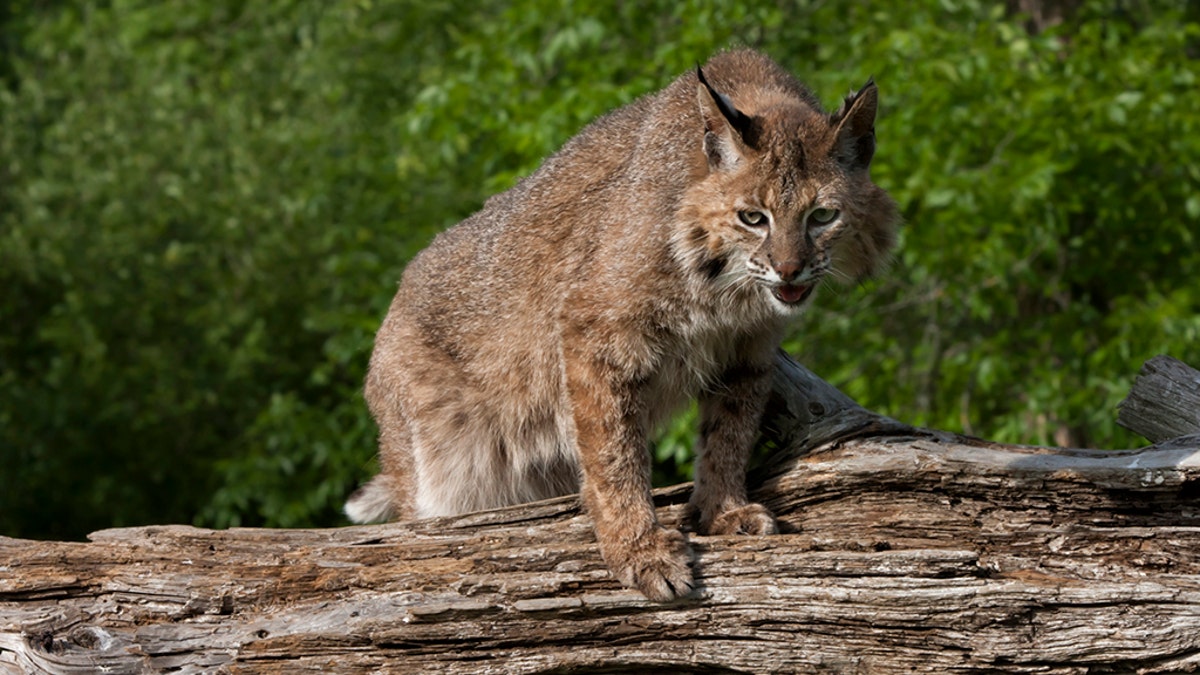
<point x="904" y="550"/>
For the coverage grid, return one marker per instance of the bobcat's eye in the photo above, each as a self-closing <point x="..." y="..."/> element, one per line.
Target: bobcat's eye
<point x="753" y="218"/>
<point x="822" y="216"/>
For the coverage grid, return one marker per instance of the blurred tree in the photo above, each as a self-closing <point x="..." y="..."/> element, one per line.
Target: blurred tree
<point x="203" y="215"/>
<point x="205" y="208"/>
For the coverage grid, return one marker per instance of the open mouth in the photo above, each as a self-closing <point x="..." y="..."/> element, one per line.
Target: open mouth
<point x="792" y="295"/>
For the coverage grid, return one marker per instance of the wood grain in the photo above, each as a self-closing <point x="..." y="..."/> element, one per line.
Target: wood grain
<point x="1164" y="402"/>
<point x="904" y="550"/>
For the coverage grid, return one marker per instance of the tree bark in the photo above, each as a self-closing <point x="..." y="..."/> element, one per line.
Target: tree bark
<point x="903" y="550"/>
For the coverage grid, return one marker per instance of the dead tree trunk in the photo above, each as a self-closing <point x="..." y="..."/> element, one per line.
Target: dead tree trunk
<point x="1164" y="402"/>
<point x="904" y="550"/>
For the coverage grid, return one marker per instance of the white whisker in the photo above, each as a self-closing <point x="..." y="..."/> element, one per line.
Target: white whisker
<point x="838" y="274"/>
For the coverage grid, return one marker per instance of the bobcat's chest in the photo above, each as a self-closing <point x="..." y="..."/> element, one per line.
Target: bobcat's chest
<point x="692" y="361"/>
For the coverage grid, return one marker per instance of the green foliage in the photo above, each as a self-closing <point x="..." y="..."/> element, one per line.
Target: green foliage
<point x="1045" y="180"/>
<point x="205" y="208"/>
<point x="201" y="226"/>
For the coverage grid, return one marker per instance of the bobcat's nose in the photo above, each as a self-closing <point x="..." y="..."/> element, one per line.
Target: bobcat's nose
<point x="788" y="271"/>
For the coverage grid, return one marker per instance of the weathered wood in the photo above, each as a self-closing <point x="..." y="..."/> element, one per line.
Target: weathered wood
<point x="904" y="550"/>
<point x="1164" y="401"/>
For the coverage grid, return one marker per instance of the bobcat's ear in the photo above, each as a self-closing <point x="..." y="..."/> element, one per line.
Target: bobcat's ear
<point x="854" y="127"/>
<point x="726" y="129"/>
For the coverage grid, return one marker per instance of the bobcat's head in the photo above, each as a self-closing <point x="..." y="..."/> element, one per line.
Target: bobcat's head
<point x="781" y="197"/>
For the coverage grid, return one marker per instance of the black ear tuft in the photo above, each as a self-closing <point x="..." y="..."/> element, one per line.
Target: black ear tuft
<point x="851" y="98"/>
<point x="855" y="125"/>
<point x="740" y="122"/>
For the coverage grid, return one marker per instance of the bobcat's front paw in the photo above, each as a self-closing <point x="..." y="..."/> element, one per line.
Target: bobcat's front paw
<point x="746" y="519"/>
<point x="657" y="564"/>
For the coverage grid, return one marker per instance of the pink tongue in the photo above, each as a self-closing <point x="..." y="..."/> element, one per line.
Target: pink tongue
<point x="792" y="293"/>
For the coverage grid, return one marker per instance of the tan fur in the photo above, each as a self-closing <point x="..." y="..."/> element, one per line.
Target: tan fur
<point x="532" y="349"/>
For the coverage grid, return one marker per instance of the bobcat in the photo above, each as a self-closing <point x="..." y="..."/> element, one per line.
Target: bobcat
<point x="658" y="256"/>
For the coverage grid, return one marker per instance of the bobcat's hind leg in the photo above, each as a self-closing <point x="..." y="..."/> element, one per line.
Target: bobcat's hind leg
<point x="388" y="496"/>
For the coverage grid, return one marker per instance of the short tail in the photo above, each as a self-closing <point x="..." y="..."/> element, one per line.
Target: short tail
<point x="374" y="502"/>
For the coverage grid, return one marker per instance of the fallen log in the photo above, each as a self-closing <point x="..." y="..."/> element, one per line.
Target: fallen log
<point x="903" y="550"/>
